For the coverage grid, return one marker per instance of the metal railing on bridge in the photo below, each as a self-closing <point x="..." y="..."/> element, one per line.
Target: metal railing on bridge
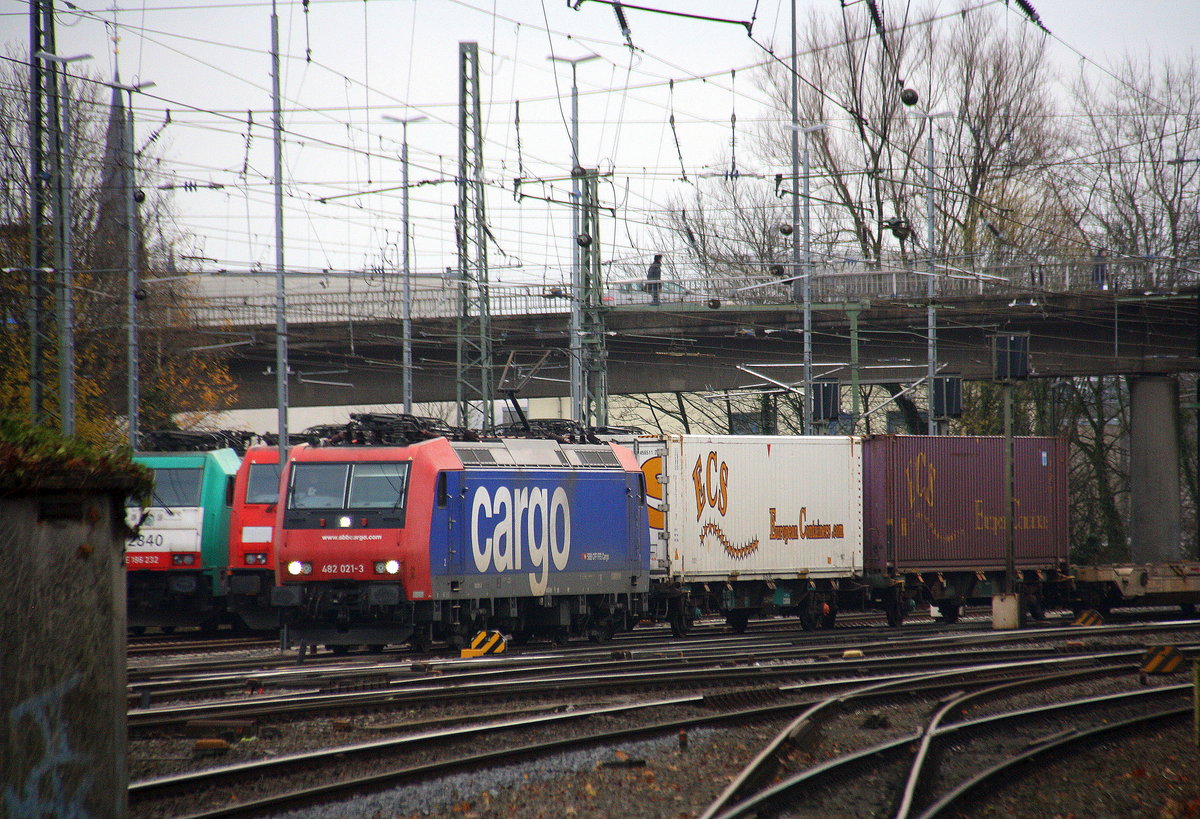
<point x="373" y="297"/>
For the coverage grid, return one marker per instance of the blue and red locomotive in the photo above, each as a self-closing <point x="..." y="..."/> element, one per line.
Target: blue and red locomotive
<point x="383" y="541"/>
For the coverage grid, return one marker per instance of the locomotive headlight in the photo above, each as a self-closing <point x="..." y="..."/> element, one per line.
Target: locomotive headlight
<point x="387" y="567"/>
<point x="256" y="559"/>
<point x="345" y="522"/>
<point x="297" y="568"/>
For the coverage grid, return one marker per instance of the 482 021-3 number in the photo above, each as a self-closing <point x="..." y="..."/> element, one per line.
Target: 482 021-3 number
<point x="343" y="568"/>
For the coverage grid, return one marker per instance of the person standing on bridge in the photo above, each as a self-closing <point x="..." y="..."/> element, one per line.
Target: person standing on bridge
<point x="654" y="278"/>
<point x="1100" y="269"/>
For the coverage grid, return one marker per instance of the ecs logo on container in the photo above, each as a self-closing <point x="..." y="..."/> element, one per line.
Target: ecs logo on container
<point x="513" y="526"/>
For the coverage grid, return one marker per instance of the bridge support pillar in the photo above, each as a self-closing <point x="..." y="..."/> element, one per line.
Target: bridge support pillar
<point x="1155" y="513"/>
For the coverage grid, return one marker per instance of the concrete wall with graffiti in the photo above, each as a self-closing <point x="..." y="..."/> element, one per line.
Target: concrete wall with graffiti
<point x="62" y="656"/>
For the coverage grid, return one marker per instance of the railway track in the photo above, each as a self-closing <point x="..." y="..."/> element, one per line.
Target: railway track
<point x="997" y="742"/>
<point x="659" y="716"/>
<point x="600" y="700"/>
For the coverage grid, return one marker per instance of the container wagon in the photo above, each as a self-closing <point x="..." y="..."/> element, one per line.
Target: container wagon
<point x="934" y="521"/>
<point x="754" y="525"/>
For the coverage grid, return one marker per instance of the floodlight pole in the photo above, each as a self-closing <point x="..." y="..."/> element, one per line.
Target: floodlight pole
<point x="807" y="290"/>
<point x="406" y="321"/>
<point x="931" y="281"/>
<point x="578" y="390"/>
<point x="133" y="276"/>
<point x="800" y="290"/>
<point x="281" y="341"/>
<point x="65" y="302"/>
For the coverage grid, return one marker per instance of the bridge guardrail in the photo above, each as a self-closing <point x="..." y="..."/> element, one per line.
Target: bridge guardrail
<point x="249" y="301"/>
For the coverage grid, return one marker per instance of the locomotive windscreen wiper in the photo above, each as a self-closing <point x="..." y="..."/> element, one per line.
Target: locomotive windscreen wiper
<point x="157" y="497"/>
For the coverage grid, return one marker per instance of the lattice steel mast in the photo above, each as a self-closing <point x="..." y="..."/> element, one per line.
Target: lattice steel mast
<point x="593" y="350"/>
<point x="473" y="377"/>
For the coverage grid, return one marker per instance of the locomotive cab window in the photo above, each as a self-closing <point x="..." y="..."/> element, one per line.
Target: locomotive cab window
<point x="360" y="486"/>
<point x="378" y="486"/>
<point x="318" y="486"/>
<point x="263" y="483"/>
<point x="177" y="487"/>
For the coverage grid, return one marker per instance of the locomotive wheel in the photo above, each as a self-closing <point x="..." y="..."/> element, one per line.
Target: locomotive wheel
<point x="420" y="641"/>
<point x="949" y="612"/>
<point x="738" y="621"/>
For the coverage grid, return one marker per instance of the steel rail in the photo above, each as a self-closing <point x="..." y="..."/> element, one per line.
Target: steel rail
<point x="601" y="676"/>
<point x="758" y="802"/>
<point x="228" y="775"/>
<point x="1058" y="745"/>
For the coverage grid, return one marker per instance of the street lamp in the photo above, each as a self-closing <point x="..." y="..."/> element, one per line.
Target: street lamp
<point x="931" y="284"/>
<point x="407" y="319"/>
<point x="578" y="410"/>
<point x="65" y="301"/>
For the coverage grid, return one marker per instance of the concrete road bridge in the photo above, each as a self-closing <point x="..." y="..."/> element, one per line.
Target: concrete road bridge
<point x="1142" y="320"/>
<point x="345" y="332"/>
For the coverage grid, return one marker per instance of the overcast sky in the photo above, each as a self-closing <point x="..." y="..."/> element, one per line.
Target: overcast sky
<point x="349" y="63"/>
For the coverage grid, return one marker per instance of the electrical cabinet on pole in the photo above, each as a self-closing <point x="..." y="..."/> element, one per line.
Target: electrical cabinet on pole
<point x="473" y="374"/>
<point x="594" y="352"/>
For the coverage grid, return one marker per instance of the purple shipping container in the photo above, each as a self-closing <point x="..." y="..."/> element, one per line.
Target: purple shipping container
<point x="936" y="503"/>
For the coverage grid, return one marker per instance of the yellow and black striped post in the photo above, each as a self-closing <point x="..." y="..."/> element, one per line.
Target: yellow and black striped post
<point x="1162" y="660"/>
<point x="1091" y="617"/>
<point x="486" y="642"/>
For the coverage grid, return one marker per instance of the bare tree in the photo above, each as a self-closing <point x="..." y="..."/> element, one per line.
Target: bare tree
<point x="1136" y="184"/>
<point x="174" y="375"/>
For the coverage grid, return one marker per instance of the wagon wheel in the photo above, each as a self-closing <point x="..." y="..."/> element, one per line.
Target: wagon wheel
<point x="677" y="616"/>
<point x="808" y="614"/>
<point x="738" y="621"/>
<point x="949" y="612"/>
<point x="893" y="607"/>
<point x="829" y="617"/>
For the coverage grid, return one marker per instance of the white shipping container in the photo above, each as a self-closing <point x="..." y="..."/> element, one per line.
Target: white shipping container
<point x="742" y="506"/>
